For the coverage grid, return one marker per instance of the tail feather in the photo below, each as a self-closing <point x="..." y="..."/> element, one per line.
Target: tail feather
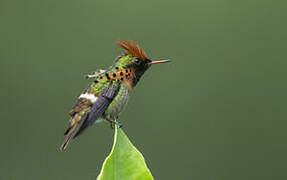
<point x="67" y="141"/>
<point x="67" y="130"/>
<point x="72" y="131"/>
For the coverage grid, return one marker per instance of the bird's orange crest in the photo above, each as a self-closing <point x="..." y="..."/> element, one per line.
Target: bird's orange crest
<point x="133" y="49"/>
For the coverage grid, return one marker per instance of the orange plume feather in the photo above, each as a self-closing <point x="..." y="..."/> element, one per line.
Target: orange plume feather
<point x="133" y="49"/>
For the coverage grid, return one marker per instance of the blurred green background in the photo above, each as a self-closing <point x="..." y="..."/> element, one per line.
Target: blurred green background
<point x="217" y="112"/>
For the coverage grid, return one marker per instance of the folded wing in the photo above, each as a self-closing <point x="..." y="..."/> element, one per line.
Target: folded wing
<point x="85" y="117"/>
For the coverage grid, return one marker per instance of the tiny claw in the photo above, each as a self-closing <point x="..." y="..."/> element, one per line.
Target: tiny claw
<point x="119" y="124"/>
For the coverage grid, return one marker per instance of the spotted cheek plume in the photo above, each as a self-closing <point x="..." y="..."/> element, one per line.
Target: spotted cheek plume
<point x="126" y="75"/>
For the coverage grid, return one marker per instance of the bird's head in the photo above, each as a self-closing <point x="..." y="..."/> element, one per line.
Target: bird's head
<point x="135" y="59"/>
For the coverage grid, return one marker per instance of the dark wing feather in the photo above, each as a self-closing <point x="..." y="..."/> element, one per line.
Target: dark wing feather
<point x="99" y="107"/>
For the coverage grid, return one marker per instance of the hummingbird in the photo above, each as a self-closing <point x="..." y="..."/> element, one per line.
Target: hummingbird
<point x="108" y="94"/>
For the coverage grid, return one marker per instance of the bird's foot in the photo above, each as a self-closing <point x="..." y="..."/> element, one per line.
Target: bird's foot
<point x="118" y="123"/>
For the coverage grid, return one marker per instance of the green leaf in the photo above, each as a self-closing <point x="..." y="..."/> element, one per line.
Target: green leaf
<point x="124" y="162"/>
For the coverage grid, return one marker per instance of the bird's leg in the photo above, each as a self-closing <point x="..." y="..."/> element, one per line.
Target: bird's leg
<point x="113" y="122"/>
<point x="94" y="74"/>
<point x="108" y="118"/>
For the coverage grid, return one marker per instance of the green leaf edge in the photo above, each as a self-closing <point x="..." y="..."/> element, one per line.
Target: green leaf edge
<point x="112" y="151"/>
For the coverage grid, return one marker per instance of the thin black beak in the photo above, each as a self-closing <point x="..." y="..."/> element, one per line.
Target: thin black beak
<point x="159" y="61"/>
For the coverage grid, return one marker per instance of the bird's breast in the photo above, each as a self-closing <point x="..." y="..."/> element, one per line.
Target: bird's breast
<point x="119" y="102"/>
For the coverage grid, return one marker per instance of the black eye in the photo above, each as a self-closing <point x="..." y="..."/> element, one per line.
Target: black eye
<point x="137" y="61"/>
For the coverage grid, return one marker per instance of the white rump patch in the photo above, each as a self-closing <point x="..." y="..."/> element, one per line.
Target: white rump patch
<point x="91" y="97"/>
